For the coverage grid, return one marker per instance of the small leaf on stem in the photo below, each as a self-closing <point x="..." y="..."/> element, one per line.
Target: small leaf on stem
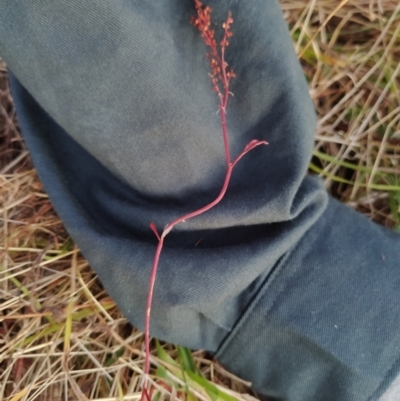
<point x="154" y="229"/>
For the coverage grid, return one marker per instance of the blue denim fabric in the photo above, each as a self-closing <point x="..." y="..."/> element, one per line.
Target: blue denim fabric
<point x="290" y="289"/>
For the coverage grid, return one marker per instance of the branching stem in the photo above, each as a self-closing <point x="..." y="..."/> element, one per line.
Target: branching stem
<point x="220" y="78"/>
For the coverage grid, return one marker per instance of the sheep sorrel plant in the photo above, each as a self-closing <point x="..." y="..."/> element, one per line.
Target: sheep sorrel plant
<point x="220" y="79"/>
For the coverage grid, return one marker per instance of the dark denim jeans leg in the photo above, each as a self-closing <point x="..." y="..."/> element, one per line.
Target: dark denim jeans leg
<point x="289" y="288"/>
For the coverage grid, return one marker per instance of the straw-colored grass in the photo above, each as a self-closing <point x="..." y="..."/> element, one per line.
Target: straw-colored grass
<point x="350" y="51"/>
<point x="63" y="338"/>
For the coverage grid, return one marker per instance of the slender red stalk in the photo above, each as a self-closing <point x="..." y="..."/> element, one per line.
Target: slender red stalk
<point x="220" y="78"/>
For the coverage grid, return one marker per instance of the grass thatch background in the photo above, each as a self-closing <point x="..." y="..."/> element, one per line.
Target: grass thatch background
<point x="62" y="337"/>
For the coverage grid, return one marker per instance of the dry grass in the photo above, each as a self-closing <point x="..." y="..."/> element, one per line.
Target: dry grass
<point x="62" y="337"/>
<point x="350" y="51"/>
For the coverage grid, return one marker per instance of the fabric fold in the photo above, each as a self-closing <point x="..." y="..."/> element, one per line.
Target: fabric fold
<point x="325" y="324"/>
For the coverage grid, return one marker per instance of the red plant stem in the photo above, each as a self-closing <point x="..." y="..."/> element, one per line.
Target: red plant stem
<point x="223" y="103"/>
<point x="222" y="109"/>
<point x="166" y="230"/>
<point x="172" y="224"/>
